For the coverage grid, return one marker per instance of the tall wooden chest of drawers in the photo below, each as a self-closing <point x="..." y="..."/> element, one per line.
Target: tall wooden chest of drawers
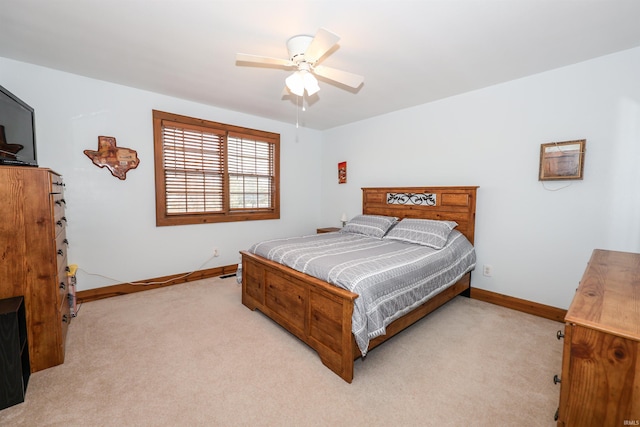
<point x="33" y="254"/>
<point x="600" y="381"/>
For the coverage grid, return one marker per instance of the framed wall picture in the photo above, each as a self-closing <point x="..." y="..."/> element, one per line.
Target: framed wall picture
<point x="342" y="173"/>
<point x="562" y="160"/>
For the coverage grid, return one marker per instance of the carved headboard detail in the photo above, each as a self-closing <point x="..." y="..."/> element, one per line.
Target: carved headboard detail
<point x="441" y="203"/>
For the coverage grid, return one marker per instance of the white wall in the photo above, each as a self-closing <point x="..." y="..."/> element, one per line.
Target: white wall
<point x="111" y="225"/>
<point x="538" y="238"/>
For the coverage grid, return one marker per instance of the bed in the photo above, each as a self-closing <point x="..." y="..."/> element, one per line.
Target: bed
<point x="321" y="314"/>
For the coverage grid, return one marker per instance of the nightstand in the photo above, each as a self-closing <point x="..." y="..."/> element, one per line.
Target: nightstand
<point x="327" y="230"/>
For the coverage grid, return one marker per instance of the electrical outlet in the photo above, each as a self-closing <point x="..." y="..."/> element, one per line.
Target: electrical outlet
<point x="487" y="270"/>
<point x="216" y="252"/>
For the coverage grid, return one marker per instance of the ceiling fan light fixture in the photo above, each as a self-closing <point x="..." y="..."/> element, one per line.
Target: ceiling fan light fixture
<point x="295" y="83"/>
<point x="300" y="81"/>
<point x="310" y="83"/>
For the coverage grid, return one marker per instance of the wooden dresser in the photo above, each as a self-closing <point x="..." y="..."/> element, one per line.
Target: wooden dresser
<point x="600" y="381"/>
<point x="33" y="251"/>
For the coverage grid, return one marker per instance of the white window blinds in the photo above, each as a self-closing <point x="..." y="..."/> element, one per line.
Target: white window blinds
<point x="251" y="172"/>
<point x="194" y="168"/>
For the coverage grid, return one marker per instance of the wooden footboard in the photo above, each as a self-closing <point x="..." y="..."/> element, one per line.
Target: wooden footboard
<point x="319" y="313"/>
<point x="314" y="311"/>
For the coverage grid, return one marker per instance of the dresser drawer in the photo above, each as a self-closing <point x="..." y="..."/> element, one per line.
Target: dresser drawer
<point x="59" y="206"/>
<point x="61" y="249"/>
<point x="62" y="283"/>
<point x="65" y="319"/>
<point x="59" y="225"/>
<point x="57" y="185"/>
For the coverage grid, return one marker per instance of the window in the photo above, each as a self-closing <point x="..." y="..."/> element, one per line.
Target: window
<point x="212" y="172"/>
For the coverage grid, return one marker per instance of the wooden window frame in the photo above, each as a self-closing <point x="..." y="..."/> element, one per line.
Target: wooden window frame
<point x="226" y="214"/>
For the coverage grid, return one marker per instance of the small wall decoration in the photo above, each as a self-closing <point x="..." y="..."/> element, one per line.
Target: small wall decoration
<point x="117" y="159"/>
<point x="562" y="160"/>
<point x="342" y="173"/>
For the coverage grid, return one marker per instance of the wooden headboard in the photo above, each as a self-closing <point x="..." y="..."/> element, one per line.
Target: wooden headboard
<point x="441" y="203"/>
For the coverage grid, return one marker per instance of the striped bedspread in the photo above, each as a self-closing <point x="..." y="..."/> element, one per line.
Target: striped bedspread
<point x="390" y="277"/>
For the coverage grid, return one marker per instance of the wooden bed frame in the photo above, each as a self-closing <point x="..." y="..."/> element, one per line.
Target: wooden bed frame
<point x="319" y="313"/>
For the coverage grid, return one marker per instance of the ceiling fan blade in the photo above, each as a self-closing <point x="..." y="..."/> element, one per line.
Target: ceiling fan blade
<point x="322" y="42"/>
<point x="267" y="60"/>
<point x="346" y="78"/>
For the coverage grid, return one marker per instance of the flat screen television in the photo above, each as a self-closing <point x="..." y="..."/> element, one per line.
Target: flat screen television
<point x="17" y="131"/>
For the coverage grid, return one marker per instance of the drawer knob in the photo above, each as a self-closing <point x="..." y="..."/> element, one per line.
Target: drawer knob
<point x="559" y="335"/>
<point x="556" y="379"/>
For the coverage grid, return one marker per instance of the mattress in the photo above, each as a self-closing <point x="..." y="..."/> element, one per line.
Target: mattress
<point x="390" y="277"/>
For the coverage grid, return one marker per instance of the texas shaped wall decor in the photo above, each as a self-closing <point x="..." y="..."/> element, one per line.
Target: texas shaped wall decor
<point x="117" y="159"/>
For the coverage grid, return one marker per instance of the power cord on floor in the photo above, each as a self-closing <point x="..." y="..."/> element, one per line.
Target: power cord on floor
<point x="147" y="283"/>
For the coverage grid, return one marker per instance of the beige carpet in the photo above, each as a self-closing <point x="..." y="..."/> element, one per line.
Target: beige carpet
<point x="193" y="355"/>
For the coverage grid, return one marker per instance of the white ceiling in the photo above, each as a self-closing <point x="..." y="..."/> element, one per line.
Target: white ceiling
<point x="410" y="52"/>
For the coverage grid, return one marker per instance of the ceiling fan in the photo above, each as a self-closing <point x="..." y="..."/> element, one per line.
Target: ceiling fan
<point x="305" y="52"/>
